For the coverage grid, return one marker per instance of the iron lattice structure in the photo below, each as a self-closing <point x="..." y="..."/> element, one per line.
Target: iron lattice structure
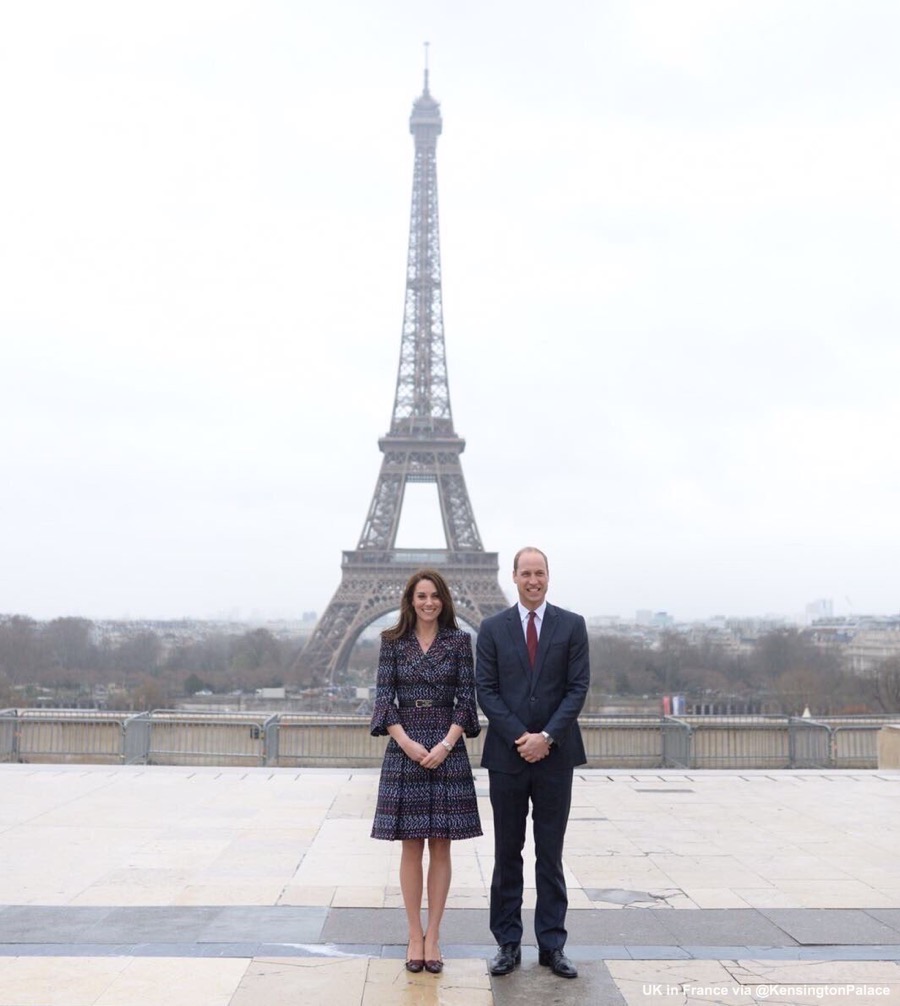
<point x="422" y="446"/>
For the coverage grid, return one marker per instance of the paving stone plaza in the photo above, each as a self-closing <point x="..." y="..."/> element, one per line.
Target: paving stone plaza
<point x="200" y="886"/>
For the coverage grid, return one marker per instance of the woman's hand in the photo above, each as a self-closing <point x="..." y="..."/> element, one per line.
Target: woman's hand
<point x="416" y="751"/>
<point x="435" y="756"/>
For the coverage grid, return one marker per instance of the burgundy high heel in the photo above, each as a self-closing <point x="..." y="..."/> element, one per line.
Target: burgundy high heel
<point x="415" y="964"/>
<point x="434" y="966"/>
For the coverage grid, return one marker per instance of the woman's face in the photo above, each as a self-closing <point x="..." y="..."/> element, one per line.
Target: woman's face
<point x="426" y="603"/>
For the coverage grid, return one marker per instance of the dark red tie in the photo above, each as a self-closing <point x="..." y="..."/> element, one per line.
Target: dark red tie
<point x="531" y="638"/>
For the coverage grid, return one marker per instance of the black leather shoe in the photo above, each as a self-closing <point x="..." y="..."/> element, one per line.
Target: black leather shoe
<point x="558" y="963"/>
<point x="508" y="957"/>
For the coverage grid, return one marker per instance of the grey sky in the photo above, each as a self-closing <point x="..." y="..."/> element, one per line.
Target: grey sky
<point x="670" y="247"/>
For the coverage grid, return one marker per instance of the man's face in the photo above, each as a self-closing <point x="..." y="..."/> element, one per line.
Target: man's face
<point x="532" y="579"/>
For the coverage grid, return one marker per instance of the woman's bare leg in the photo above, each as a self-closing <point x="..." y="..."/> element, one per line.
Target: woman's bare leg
<point x="440" y="870"/>
<point x="411" y="889"/>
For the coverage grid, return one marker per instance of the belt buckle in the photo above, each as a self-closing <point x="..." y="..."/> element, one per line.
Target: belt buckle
<point x="424" y="703"/>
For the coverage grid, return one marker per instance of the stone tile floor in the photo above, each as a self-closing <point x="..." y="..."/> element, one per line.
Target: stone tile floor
<point x="132" y="886"/>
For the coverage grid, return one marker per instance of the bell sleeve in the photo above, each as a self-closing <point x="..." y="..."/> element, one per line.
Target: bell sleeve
<point x="465" y="711"/>
<point x="385" y="712"/>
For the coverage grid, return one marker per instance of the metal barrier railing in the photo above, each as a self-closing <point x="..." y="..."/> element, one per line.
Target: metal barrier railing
<point x="855" y="745"/>
<point x="316" y="740"/>
<point x="176" y="738"/>
<point x="676" y="743"/>
<point x="60" y="735"/>
<point x="809" y="743"/>
<point x="136" y="743"/>
<point x="624" y="742"/>
<point x="752" y="742"/>
<point x="9" y="735"/>
<point x="712" y="744"/>
<point x="172" y="737"/>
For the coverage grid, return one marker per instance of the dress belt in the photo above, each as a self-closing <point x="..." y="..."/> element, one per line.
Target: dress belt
<point x="425" y="704"/>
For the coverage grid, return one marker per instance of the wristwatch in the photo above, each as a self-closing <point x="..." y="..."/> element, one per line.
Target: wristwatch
<point x="447" y="744"/>
<point x="547" y="738"/>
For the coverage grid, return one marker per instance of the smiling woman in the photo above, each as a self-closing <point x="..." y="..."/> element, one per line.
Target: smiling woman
<point x="425" y="701"/>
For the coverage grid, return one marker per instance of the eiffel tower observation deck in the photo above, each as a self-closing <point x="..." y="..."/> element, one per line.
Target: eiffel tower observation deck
<point x="421" y="446"/>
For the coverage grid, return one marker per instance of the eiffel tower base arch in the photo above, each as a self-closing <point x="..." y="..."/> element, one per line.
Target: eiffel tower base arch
<point x="371" y="586"/>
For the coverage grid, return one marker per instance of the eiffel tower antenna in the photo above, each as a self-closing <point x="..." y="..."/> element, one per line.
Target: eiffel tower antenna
<point x="421" y="446"/>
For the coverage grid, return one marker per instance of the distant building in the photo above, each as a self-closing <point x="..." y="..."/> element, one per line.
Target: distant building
<point x="821" y="608"/>
<point x="270" y="693"/>
<point x="871" y="646"/>
<point x="604" y="622"/>
<point x="657" y="619"/>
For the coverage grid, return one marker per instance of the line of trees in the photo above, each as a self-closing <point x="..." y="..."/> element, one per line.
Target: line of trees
<point x="785" y="671"/>
<point x="151" y="670"/>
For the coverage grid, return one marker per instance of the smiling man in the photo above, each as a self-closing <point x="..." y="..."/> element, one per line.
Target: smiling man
<point x="532" y="675"/>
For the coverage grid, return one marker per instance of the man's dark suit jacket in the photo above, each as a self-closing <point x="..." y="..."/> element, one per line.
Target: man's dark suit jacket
<point x="517" y="699"/>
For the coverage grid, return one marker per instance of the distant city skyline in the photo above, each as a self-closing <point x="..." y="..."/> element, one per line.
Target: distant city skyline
<point x="810" y="612"/>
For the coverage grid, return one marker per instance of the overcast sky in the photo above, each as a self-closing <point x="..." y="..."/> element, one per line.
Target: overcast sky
<point x="670" y="261"/>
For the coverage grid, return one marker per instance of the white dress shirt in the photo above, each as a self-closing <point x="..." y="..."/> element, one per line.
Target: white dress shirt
<point x="538" y="617"/>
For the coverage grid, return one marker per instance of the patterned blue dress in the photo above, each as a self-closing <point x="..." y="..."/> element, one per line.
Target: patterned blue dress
<point x="414" y="802"/>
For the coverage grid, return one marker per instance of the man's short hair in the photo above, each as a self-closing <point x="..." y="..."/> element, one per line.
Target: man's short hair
<point x="529" y="548"/>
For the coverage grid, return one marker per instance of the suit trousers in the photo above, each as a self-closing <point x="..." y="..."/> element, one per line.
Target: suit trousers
<point x="549" y="792"/>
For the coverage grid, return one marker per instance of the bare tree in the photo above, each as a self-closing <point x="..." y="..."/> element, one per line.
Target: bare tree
<point x="22" y="650"/>
<point x="887" y="685"/>
<point x="70" y="644"/>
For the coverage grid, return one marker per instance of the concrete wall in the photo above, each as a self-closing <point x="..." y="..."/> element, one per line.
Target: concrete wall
<point x="889" y="746"/>
<point x="345" y="742"/>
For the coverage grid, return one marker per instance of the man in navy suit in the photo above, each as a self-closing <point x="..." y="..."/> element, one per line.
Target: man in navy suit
<point x="532" y="675"/>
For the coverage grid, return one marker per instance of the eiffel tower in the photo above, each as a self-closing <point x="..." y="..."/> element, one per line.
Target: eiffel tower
<point x="422" y="446"/>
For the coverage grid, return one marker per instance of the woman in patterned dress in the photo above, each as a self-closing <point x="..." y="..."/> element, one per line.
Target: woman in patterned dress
<point x="425" y="701"/>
